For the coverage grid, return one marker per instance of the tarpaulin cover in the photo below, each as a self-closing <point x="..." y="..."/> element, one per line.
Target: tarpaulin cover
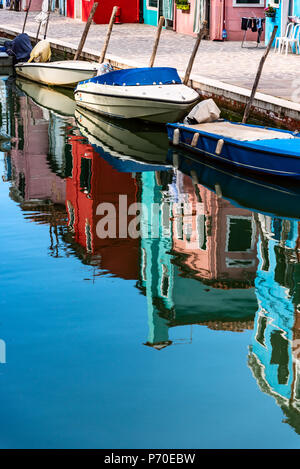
<point x="138" y="76"/>
<point x="19" y="48"/>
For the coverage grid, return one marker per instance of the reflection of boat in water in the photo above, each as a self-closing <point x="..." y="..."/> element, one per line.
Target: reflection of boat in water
<point x="132" y="146"/>
<point x="260" y="195"/>
<point x="59" y="101"/>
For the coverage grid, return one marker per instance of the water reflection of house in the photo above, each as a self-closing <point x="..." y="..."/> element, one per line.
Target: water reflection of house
<point x="274" y="353"/>
<point x="175" y="298"/>
<point x="4" y="114"/>
<point x="156" y="269"/>
<point x="39" y="191"/>
<point x="92" y="182"/>
<point x="5" y="130"/>
<point x="33" y="181"/>
<point x="214" y="241"/>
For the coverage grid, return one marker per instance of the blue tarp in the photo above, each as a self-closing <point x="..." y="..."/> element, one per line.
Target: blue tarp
<point x="138" y="76"/>
<point x="19" y="48"/>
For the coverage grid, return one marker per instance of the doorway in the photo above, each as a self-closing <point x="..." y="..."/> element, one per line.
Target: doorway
<point x="78" y="9"/>
<point x="287" y="9"/>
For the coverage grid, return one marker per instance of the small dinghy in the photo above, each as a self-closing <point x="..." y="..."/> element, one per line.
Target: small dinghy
<point x="264" y="150"/>
<point x="152" y="94"/>
<point x="64" y="73"/>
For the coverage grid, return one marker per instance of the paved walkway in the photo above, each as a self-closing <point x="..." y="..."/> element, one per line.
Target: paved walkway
<point x="224" y="61"/>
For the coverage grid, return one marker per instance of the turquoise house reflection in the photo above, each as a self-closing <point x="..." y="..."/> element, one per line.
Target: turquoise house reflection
<point x="157" y="271"/>
<point x="275" y="352"/>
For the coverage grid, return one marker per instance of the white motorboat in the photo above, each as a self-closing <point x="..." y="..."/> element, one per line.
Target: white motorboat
<point x="152" y="94"/>
<point x="63" y="73"/>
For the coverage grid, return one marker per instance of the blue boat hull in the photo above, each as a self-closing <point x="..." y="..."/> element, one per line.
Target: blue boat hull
<point x="265" y="157"/>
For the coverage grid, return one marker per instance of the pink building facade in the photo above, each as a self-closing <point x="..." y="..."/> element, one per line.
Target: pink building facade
<point x="36" y="5"/>
<point x="224" y="18"/>
<point x="232" y="13"/>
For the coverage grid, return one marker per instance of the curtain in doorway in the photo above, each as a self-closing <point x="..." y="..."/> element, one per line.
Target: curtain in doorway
<point x="199" y="15"/>
<point x="168" y="9"/>
<point x="291" y="7"/>
<point x="62" y="7"/>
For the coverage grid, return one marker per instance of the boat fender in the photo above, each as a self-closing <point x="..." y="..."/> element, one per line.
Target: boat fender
<point x="205" y="111"/>
<point x="195" y="139"/>
<point x="176" y="137"/>
<point x="219" y="146"/>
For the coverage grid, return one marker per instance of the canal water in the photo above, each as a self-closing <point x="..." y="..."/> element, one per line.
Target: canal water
<point x="147" y="300"/>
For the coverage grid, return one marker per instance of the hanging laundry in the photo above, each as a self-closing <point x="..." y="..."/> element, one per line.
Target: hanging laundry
<point x="253" y="23"/>
<point x="244" y="25"/>
<point x="260" y="28"/>
<point x="42" y="16"/>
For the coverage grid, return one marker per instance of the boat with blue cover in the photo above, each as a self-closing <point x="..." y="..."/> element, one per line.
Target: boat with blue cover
<point x="255" y="148"/>
<point x="153" y="94"/>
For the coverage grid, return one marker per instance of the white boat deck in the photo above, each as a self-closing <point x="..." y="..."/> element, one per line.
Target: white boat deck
<point x="241" y="132"/>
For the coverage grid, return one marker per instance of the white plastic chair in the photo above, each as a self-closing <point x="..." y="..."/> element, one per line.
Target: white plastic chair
<point x="289" y="32"/>
<point x="293" y="41"/>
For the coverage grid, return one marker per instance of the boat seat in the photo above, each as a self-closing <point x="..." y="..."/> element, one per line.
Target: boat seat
<point x="241" y="132"/>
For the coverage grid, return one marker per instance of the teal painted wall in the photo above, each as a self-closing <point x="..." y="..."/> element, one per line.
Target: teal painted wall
<point x="270" y="23"/>
<point x="150" y="16"/>
<point x="297" y="8"/>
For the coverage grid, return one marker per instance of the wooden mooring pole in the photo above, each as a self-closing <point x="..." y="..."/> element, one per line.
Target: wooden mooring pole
<point x="38" y="32"/>
<point x="86" y="30"/>
<point x="48" y="17"/>
<point x="110" y="26"/>
<point x="194" y="52"/>
<point x="25" y="20"/>
<point x="258" y="75"/>
<point x="158" y="33"/>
